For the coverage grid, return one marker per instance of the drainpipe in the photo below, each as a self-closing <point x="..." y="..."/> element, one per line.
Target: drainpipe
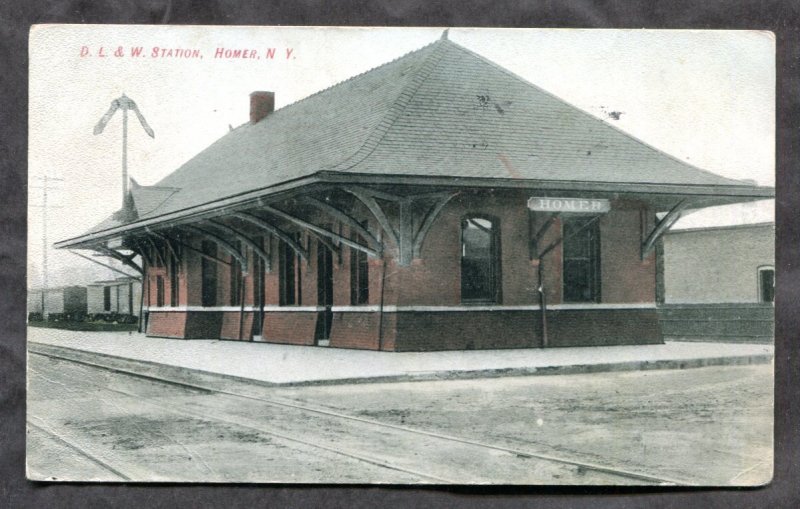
<point x="380" y="307"/>
<point x="241" y="303"/>
<point x="542" y="302"/>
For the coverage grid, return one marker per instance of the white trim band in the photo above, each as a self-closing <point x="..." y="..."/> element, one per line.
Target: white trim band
<point x="233" y="309"/>
<point x="402" y="309"/>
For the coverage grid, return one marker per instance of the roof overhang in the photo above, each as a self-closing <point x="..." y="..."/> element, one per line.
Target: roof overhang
<point x="661" y="197"/>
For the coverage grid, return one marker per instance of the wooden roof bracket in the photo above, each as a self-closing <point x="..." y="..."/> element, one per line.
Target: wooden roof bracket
<point x="137" y="278"/>
<point x="355" y="226"/>
<point x="430" y="218"/>
<point x="127" y="260"/>
<point x="274" y="230"/>
<point x="320" y="231"/>
<point x="367" y="197"/>
<point x="192" y="248"/>
<point x="561" y="239"/>
<point x="221" y="243"/>
<point x="662" y="227"/>
<point x="536" y="239"/>
<point x="167" y="242"/>
<point x="408" y="241"/>
<point x="242" y="237"/>
<point x="156" y="250"/>
<point x="142" y="251"/>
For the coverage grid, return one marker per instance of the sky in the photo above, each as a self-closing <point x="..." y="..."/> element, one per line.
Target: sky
<point x="706" y="97"/>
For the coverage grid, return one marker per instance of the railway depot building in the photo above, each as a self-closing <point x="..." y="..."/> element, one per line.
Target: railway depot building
<point x="435" y="202"/>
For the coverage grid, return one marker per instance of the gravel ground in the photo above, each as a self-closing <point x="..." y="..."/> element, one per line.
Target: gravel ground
<point x="707" y="426"/>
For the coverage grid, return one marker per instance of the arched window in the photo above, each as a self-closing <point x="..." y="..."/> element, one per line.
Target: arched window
<point x="480" y="260"/>
<point x="766" y="284"/>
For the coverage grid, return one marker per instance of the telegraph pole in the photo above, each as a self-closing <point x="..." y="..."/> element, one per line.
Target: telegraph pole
<point x="45" y="187"/>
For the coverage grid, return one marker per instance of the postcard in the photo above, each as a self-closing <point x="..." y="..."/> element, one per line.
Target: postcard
<point x="401" y="255"/>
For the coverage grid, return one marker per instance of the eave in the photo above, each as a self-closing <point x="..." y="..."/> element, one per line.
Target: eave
<point x="660" y="196"/>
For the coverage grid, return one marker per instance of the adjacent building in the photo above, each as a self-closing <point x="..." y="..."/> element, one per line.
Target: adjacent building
<point x="436" y="202"/>
<point x="65" y="300"/>
<point x="121" y="296"/>
<point x="719" y="283"/>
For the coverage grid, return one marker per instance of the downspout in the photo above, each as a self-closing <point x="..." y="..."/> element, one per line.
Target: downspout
<point x="241" y="303"/>
<point x="542" y="302"/>
<point x="380" y="306"/>
<point x="145" y="279"/>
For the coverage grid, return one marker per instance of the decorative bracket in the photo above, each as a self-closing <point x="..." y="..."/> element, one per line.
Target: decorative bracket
<point x="662" y="227"/>
<point x="242" y="237"/>
<point x="351" y="222"/>
<point x="408" y="240"/>
<point x="561" y="239"/>
<point x="192" y="248"/>
<point x="221" y="243"/>
<point x="319" y="230"/>
<point x="536" y="239"/>
<point x="138" y="278"/>
<point x="293" y="244"/>
<point x="127" y="260"/>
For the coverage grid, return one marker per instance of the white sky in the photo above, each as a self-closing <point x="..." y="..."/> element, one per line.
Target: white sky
<point x="706" y="97"/>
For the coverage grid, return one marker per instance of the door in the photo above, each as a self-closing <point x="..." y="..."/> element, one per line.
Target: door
<point x="324" y="291"/>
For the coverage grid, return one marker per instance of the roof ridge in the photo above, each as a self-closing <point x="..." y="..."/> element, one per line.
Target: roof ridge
<point x="592" y="117"/>
<point x="422" y="72"/>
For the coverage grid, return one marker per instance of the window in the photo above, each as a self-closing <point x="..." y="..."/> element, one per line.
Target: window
<point x="174" y="268"/>
<point x="106" y="298"/>
<point x="480" y="260"/>
<point x="289" y="275"/>
<point x="160" y="291"/>
<point x="766" y="284"/>
<point x="581" y="256"/>
<point x="208" y="271"/>
<point x="236" y="278"/>
<point x="359" y="274"/>
<point x="260" y="268"/>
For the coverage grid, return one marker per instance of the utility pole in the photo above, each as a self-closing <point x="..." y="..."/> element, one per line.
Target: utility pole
<point x="45" y="187"/>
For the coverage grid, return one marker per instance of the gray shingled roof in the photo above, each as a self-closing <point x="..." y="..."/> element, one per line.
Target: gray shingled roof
<point x="438" y="111"/>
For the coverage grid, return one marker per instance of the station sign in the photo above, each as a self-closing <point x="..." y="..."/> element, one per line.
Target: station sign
<point x="569" y="205"/>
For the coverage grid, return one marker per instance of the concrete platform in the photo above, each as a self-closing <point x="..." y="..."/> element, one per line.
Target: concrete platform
<point x="273" y="364"/>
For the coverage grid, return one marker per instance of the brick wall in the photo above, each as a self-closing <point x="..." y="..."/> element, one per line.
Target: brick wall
<point x="290" y="327"/>
<point x="166" y="325"/>
<point x="231" y="323"/>
<point x="434" y="280"/>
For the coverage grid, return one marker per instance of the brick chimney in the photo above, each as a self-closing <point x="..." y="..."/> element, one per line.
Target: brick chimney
<point x="261" y="105"/>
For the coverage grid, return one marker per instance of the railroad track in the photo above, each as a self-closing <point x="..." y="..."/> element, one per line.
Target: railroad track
<point x="573" y="465"/>
<point x="44" y="429"/>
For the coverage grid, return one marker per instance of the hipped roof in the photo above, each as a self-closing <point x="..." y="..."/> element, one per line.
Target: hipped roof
<point x="439" y="112"/>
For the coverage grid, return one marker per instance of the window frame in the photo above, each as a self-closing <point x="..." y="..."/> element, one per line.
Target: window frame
<point x="760" y="284"/>
<point x="208" y="273"/>
<point x="174" y="283"/>
<point x="496" y="277"/>
<point x="595" y="260"/>
<point x="159" y="291"/>
<point x="287" y="297"/>
<point x="359" y="272"/>
<point x="235" y="283"/>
